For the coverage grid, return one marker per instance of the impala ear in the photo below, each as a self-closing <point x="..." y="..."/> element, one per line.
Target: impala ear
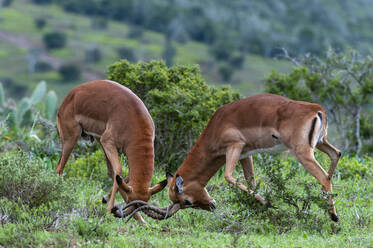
<point x="179" y="185"/>
<point x="158" y="187"/>
<point x="169" y="177"/>
<point x="122" y="185"/>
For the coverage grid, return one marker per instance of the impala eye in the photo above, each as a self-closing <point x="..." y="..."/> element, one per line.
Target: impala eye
<point x="187" y="203"/>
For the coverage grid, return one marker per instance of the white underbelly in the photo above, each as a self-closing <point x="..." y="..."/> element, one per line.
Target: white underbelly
<point x="93" y="134"/>
<point x="273" y="149"/>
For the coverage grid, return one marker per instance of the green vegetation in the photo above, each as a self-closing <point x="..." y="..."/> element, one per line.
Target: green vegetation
<point x="343" y="84"/>
<point x="18" y="21"/>
<point x="225" y="41"/>
<point x="72" y="215"/>
<point x="40" y="209"/>
<point x="178" y="99"/>
<point x="301" y="26"/>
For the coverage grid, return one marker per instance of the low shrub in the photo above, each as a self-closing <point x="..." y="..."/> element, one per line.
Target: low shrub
<point x="69" y="72"/>
<point x="90" y="166"/>
<point x="23" y="180"/>
<point x="43" y="66"/>
<point x="40" y="22"/>
<point x="54" y="40"/>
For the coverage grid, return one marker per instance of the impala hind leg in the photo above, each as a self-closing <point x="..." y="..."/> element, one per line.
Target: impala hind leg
<point x="69" y="135"/>
<point x="333" y="153"/>
<point x="307" y="159"/>
<point x="248" y="171"/>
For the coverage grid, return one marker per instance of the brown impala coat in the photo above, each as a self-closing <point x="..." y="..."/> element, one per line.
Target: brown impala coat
<point x="261" y="123"/>
<point x="119" y="120"/>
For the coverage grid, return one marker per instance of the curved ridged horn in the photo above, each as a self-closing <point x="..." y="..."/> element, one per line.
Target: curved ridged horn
<point x="157" y="213"/>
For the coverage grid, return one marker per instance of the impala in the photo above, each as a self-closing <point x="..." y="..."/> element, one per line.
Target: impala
<point x="119" y="121"/>
<point x="260" y="123"/>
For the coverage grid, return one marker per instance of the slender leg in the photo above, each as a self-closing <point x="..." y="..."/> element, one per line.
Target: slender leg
<point x="232" y="156"/>
<point x="115" y="168"/>
<point x="332" y="152"/>
<point x="69" y="135"/>
<point x="307" y="159"/>
<point x="112" y="155"/>
<point x="248" y="171"/>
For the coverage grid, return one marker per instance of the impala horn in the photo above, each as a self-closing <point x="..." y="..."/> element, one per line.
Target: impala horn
<point x="151" y="211"/>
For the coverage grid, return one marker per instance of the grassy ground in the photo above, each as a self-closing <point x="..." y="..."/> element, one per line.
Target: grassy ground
<point x="237" y="222"/>
<point x="18" y="20"/>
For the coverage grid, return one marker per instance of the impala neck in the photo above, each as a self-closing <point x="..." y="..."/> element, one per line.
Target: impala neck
<point x="200" y="165"/>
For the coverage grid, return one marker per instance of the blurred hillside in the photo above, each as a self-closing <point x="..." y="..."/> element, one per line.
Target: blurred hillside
<point x="234" y="42"/>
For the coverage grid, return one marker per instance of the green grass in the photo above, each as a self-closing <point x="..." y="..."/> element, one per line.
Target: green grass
<point x="237" y="222"/>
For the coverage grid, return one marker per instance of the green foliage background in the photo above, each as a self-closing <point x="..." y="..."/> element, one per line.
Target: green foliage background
<point x="179" y="101"/>
<point x="343" y="84"/>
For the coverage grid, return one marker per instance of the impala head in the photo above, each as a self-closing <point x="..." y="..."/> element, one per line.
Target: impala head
<point x="139" y="195"/>
<point x="183" y="195"/>
<point x="144" y="194"/>
<point x="189" y="194"/>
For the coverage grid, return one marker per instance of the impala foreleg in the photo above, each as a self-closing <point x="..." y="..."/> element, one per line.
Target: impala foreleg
<point x="248" y="171"/>
<point x="332" y="152"/>
<point x="232" y="155"/>
<point x="112" y="155"/>
<point x="307" y="159"/>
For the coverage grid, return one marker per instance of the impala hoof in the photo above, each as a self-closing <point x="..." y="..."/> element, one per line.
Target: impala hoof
<point x="212" y="205"/>
<point x="334" y="217"/>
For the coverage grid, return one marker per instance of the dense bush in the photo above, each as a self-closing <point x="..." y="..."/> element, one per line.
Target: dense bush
<point x="37" y="205"/>
<point x="43" y="66"/>
<point x="40" y="22"/>
<point x="25" y="181"/>
<point x="54" y="40"/>
<point x="91" y="166"/>
<point x="256" y="27"/>
<point x="178" y="99"/>
<point x="93" y="54"/>
<point x="42" y="1"/>
<point x="7" y="3"/>
<point x="69" y="72"/>
<point x="99" y="23"/>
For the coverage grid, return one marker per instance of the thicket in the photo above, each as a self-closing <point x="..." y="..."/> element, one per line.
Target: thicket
<point x="247" y="26"/>
<point x="54" y="40"/>
<point x="37" y="206"/>
<point x="178" y="99"/>
<point x="69" y="72"/>
<point x="343" y="85"/>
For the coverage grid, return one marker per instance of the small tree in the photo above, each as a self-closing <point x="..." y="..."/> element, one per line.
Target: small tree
<point x="178" y="99"/>
<point x="93" y="54"/>
<point x="40" y="22"/>
<point x="342" y="83"/>
<point x="54" y="40"/>
<point x="69" y="72"/>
